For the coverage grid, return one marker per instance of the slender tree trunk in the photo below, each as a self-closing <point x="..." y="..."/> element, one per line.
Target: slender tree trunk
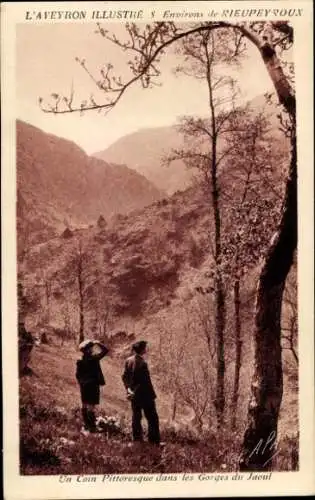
<point x="267" y="384"/>
<point x="219" y="289"/>
<point x="238" y="350"/>
<point x="81" y="300"/>
<point x="47" y="294"/>
<point x="220" y="326"/>
<point x="219" y="299"/>
<point x="174" y="409"/>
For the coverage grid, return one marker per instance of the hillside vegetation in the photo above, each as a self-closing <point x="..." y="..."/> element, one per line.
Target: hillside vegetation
<point x="58" y="185"/>
<point x="142" y="274"/>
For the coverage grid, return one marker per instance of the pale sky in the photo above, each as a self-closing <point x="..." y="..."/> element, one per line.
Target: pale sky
<point x="45" y="63"/>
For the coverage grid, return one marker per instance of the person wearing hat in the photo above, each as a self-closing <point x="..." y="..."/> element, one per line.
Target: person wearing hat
<point x="90" y="377"/>
<point x="140" y="392"/>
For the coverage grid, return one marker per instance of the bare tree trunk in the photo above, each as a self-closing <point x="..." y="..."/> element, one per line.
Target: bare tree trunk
<point x="81" y="299"/>
<point x="220" y="326"/>
<point x="47" y="295"/>
<point x="174" y="409"/>
<point x="219" y="296"/>
<point x="267" y="385"/>
<point x="238" y="350"/>
<point x="219" y="290"/>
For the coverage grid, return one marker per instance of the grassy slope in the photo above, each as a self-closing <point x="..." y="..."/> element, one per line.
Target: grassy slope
<point x="54" y="378"/>
<point x="51" y="442"/>
<point x="50" y="407"/>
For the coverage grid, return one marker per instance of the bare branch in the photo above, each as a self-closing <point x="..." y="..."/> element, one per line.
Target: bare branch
<point x="148" y="45"/>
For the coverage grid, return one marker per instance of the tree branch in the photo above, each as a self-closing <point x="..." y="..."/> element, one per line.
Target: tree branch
<point x="146" y="62"/>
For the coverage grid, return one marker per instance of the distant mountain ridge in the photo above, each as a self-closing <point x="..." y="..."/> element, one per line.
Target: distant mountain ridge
<point x="145" y="149"/>
<point x="58" y="184"/>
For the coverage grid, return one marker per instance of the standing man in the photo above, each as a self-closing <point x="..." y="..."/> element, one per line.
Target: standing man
<point x="140" y="392"/>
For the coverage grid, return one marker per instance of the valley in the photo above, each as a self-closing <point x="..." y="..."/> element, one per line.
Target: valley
<point x="123" y="252"/>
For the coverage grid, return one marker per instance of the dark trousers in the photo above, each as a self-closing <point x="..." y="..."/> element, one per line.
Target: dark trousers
<point x="89" y="419"/>
<point x="152" y="417"/>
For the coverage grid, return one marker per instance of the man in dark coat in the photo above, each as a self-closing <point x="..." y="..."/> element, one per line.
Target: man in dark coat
<point x="90" y="377"/>
<point x="140" y="392"/>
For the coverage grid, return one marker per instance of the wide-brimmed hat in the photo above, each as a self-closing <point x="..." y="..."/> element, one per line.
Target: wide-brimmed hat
<point x="139" y="346"/>
<point x="85" y="344"/>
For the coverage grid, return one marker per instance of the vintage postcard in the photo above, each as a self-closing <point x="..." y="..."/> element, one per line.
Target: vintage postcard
<point x="157" y="229"/>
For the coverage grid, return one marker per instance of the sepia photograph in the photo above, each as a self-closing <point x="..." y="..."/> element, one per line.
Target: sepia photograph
<point x="157" y="263"/>
<point x="145" y="251"/>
